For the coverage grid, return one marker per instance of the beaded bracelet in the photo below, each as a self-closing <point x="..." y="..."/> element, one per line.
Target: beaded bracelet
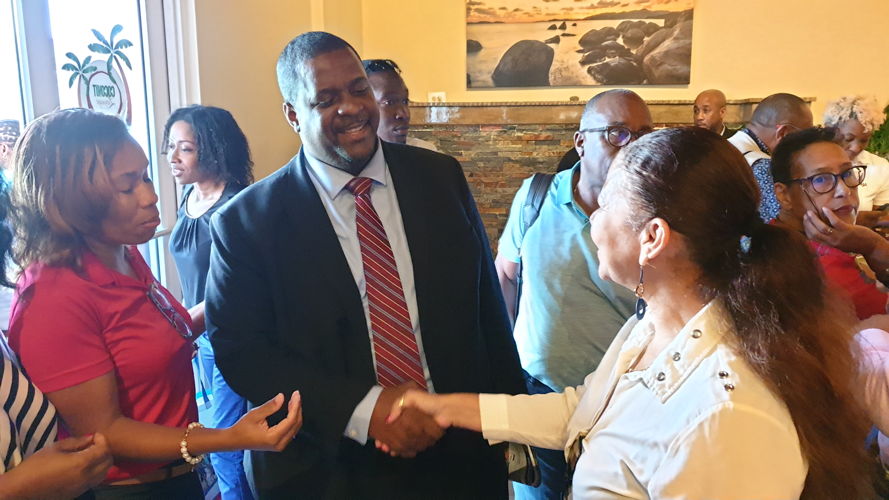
<point x="183" y="445"/>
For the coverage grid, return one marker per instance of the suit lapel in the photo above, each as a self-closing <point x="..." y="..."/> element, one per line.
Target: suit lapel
<point x="321" y="253"/>
<point x="415" y="216"/>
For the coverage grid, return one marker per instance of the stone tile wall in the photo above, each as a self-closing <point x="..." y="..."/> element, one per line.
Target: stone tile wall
<point x="497" y="158"/>
<point x="501" y="144"/>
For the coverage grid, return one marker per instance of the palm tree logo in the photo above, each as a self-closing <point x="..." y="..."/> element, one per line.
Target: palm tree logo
<point x="79" y="69"/>
<point x="114" y="50"/>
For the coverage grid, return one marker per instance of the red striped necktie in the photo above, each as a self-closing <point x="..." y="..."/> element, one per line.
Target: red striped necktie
<point x="394" y="343"/>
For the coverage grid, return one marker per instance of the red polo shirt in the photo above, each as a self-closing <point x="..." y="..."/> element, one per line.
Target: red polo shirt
<point x="842" y="271"/>
<point x="69" y="327"/>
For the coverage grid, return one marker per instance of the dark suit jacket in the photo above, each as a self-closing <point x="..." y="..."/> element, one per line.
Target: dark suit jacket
<point x="284" y="313"/>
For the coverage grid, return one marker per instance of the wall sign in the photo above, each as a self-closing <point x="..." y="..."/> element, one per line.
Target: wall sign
<point x="101" y="83"/>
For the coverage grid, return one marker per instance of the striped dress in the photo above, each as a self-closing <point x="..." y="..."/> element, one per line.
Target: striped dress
<point x="27" y="419"/>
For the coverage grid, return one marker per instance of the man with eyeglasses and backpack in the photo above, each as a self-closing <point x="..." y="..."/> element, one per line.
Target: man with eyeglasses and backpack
<point x="564" y="314"/>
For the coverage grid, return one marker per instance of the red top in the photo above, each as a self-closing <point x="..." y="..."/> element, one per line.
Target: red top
<point x="69" y="327"/>
<point x="842" y="271"/>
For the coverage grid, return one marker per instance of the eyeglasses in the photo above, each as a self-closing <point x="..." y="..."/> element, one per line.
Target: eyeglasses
<point x="826" y="182"/>
<point x="617" y="135"/>
<point x="162" y="303"/>
<point x="788" y="124"/>
<point x="375" y="65"/>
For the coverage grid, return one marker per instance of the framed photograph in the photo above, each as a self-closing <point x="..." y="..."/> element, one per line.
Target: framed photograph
<point x="569" y="43"/>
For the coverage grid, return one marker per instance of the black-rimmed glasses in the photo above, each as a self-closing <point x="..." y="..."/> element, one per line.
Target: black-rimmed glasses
<point x="826" y="182"/>
<point x="375" y="65"/>
<point x="162" y="303"/>
<point x="617" y="135"/>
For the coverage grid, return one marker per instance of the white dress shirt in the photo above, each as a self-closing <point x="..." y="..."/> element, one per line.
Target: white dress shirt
<point x="330" y="182"/>
<point x="698" y="423"/>
<point x="874" y="385"/>
<point x="874" y="191"/>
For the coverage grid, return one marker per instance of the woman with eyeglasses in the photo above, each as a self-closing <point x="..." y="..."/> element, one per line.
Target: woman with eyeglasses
<point x="107" y="344"/>
<point x="817" y="187"/>
<point x="208" y="155"/>
<point x="733" y="379"/>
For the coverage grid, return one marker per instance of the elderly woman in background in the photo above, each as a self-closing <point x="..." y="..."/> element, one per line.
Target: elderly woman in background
<point x="108" y="345"/>
<point x="855" y="118"/>
<point x="721" y="385"/>
<point x="817" y="186"/>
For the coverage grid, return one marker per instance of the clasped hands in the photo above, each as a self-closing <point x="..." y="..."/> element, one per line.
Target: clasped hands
<point x="400" y="429"/>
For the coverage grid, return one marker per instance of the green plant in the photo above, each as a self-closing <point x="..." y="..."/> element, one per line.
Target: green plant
<point x="879" y="142"/>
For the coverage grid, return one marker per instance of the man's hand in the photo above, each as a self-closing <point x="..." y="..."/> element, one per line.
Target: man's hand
<point x="412" y="433"/>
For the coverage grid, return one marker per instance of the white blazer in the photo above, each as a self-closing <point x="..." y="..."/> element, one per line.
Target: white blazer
<point x="697" y="424"/>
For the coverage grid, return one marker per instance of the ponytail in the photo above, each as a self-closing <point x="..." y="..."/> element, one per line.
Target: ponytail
<point x="797" y="336"/>
<point x="793" y="331"/>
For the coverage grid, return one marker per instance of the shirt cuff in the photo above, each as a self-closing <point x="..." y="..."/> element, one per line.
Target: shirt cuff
<point x="359" y="423"/>
<point x="494" y="416"/>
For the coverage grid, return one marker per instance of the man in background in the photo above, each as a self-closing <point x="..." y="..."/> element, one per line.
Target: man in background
<point x="709" y="112"/>
<point x="9" y="133"/>
<point x="567" y="315"/>
<point x="392" y="98"/>
<point x="776" y="116"/>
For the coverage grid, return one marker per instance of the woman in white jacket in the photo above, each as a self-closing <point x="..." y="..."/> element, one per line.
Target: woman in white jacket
<point x="734" y="384"/>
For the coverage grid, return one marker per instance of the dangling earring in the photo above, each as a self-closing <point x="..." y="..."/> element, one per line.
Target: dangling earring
<point x="640" y="302"/>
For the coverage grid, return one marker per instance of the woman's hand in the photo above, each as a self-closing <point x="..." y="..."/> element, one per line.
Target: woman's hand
<point x="850" y="238"/>
<point x="430" y="404"/>
<point x="839" y="234"/>
<point x="252" y="431"/>
<point x="448" y="410"/>
<point x="63" y="469"/>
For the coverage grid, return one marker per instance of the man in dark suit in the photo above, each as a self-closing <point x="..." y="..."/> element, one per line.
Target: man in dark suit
<point x="709" y="112"/>
<point x="357" y="270"/>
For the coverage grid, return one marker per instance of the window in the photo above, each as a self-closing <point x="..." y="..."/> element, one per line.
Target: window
<point x="11" y="104"/>
<point x="107" y="55"/>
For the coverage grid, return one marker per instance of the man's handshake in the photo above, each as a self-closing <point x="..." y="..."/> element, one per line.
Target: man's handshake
<point x="413" y="432"/>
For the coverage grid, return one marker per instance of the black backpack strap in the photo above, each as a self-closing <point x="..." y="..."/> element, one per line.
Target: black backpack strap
<point x="536" y="194"/>
<point x="530" y="211"/>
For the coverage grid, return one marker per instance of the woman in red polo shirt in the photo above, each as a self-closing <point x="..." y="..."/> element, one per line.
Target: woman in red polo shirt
<point x="108" y="345"/>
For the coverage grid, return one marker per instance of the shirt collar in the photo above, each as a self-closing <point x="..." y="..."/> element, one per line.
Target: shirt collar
<point x="565" y="192"/>
<point x="757" y="140"/>
<point x="333" y="180"/>
<point x="681" y="357"/>
<point x="97" y="272"/>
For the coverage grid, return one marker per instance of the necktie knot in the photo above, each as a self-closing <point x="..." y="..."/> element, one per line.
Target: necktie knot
<point x="359" y="186"/>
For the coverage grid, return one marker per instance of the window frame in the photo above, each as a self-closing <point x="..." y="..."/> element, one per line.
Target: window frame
<point x="167" y="41"/>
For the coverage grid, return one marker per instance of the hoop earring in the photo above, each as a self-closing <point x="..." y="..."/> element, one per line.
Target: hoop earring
<point x="641" y="305"/>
